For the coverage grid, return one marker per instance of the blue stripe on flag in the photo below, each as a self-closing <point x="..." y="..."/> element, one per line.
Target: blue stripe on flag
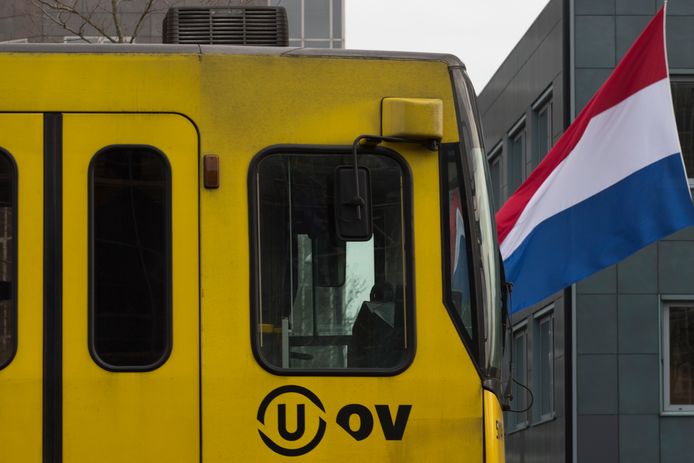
<point x="600" y="231"/>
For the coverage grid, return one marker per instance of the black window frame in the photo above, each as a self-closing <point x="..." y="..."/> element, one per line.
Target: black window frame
<point x="676" y="79"/>
<point x="472" y="341"/>
<point x="543" y="104"/>
<point x="14" y="313"/>
<point x="667" y="303"/>
<point x="518" y="419"/>
<point x="517" y="136"/>
<point x="545" y="315"/>
<point x="168" y="294"/>
<point x="409" y="292"/>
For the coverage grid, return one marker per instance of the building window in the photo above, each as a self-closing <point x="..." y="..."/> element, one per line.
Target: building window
<point x="683" y="102"/>
<point x="516" y="158"/>
<point x="8" y="251"/>
<point x="678" y="356"/>
<point x="543" y="129"/>
<point x="518" y="416"/>
<point x="543" y="381"/>
<point x="495" y="174"/>
<point x="323" y="304"/>
<point x="314" y="23"/>
<point x="130" y="258"/>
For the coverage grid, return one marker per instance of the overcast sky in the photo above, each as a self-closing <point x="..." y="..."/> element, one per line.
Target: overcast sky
<point x="479" y="32"/>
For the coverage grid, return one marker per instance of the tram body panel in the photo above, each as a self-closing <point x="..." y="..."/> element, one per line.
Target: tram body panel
<point x="494" y="431"/>
<point x="307" y="110"/>
<point x="212" y="398"/>
<point x="21" y="139"/>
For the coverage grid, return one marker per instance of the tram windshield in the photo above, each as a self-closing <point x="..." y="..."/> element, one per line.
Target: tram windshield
<point x="483" y="223"/>
<point x="325" y="303"/>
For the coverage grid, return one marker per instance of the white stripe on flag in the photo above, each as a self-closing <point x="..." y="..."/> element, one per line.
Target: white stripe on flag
<point x="616" y="143"/>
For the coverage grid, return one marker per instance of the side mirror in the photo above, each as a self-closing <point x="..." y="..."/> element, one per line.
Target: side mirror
<point x="353" y="218"/>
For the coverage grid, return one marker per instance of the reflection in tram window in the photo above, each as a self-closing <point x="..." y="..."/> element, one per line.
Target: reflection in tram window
<point x="456" y="244"/>
<point x="130" y="258"/>
<point x="324" y="303"/>
<point x="8" y="322"/>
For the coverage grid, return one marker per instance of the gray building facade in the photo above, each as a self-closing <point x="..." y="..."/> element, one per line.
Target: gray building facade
<point x="312" y="23"/>
<point x="616" y="350"/>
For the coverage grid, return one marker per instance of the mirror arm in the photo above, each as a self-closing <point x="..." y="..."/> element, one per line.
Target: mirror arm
<point x="372" y="141"/>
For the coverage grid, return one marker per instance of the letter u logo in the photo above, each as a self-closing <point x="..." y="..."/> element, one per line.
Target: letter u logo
<point x="300" y="422"/>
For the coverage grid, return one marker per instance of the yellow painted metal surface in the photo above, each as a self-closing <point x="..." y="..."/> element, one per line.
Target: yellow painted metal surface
<point x="412" y="118"/>
<point x="494" y="431"/>
<point x="323" y="101"/>
<point x="240" y="105"/>
<point x="130" y="417"/>
<point x="21" y="135"/>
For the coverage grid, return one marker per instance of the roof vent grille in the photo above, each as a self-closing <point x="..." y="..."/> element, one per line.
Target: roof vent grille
<point x="243" y="25"/>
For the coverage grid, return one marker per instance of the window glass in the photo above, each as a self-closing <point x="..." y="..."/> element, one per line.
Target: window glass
<point x="518" y="417"/>
<point x="323" y="303"/>
<point x="679" y="365"/>
<point x="294" y="18"/>
<point x="482" y="223"/>
<point x="456" y="245"/>
<point x="337" y="19"/>
<point x="8" y="321"/>
<point x="515" y="161"/>
<point x="317" y="19"/>
<point x="495" y="173"/>
<point x="545" y="365"/>
<point x="130" y="257"/>
<point x="683" y="100"/>
<point x="543" y="138"/>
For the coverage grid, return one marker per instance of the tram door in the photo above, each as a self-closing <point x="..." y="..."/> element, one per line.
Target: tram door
<point x="99" y="299"/>
<point x="21" y="286"/>
<point x="130" y="298"/>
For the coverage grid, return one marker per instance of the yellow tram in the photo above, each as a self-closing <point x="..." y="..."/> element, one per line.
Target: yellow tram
<point x="245" y="254"/>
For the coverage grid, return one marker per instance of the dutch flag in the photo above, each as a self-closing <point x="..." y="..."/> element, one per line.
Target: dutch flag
<point x="612" y="184"/>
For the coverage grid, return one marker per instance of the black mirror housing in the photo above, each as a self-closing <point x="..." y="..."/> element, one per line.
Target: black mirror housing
<point x="353" y="217"/>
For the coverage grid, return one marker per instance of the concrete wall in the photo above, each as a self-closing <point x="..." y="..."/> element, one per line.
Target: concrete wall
<point x="618" y="310"/>
<point x="534" y="67"/>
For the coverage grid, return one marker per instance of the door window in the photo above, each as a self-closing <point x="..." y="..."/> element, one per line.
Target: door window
<point x="130" y="236"/>
<point x="8" y="313"/>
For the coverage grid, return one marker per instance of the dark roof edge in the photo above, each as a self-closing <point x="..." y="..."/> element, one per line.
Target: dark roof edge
<point x="105" y="48"/>
<point x="158" y="48"/>
<point x="450" y="60"/>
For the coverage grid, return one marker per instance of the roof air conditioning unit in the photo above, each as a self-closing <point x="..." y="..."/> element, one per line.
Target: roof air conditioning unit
<point x="239" y="25"/>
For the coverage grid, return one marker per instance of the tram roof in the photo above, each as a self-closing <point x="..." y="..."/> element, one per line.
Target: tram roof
<point x="450" y="60"/>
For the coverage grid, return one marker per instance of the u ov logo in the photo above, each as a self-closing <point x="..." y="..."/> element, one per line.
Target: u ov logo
<point x="283" y="428"/>
<point x="355" y="419"/>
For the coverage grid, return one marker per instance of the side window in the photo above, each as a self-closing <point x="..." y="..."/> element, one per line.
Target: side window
<point x="543" y="348"/>
<point x="323" y="304"/>
<point x="456" y="245"/>
<point x="678" y="356"/>
<point x="495" y="174"/>
<point x="130" y="258"/>
<point x="8" y="252"/>
<point x="683" y="102"/>
<point x="516" y="159"/>
<point x="518" y="418"/>
<point x="543" y="131"/>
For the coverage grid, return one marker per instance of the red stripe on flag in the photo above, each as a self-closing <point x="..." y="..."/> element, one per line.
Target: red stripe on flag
<point x="643" y="65"/>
